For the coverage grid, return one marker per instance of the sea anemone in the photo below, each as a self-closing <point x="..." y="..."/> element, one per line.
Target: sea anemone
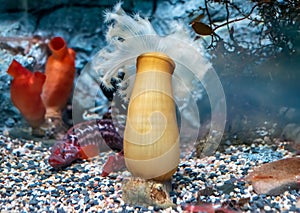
<point x="131" y="36"/>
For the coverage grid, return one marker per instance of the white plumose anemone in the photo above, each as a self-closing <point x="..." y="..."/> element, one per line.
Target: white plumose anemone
<point x="130" y="36"/>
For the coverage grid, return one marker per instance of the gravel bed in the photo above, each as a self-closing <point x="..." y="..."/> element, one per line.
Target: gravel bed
<point x="28" y="184"/>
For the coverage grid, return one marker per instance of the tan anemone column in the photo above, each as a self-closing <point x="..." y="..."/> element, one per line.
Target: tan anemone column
<point x="151" y="138"/>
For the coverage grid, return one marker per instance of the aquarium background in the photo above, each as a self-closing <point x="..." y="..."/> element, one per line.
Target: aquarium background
<point x="255" y="50"/>
<point x="256" y="56"/>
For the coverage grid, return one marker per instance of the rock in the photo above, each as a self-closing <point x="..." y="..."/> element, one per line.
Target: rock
<point x="17" y="24"/>
<point x="276" y="177"/>
<point x="71" y="21"/>
<point x="39" y="6"/>
<point x="10" y="122"/>
<point x="137" y="191"/>
<point x="292" y="132"/>
<point x="20" y="5"/>
<point x="288" y="112"/>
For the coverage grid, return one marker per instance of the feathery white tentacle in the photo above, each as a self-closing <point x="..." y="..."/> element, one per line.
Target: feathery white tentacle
<point x="129" y="37"/>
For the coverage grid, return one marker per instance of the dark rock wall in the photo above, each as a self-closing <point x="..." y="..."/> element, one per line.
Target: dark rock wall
<point x="38" y="6"/>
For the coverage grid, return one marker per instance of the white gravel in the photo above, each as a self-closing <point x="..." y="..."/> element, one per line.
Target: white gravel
<point x="29" y="184"/>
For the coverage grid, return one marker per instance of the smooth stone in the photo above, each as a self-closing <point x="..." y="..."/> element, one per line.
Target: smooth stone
<point x="276" y="177"/>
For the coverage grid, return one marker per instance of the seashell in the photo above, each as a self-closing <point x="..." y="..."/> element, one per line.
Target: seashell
<point x="151" y="137"/>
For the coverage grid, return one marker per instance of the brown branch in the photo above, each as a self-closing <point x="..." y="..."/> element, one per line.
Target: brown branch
<point x="210" y="22"/>
<point x="236" y="20"/>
